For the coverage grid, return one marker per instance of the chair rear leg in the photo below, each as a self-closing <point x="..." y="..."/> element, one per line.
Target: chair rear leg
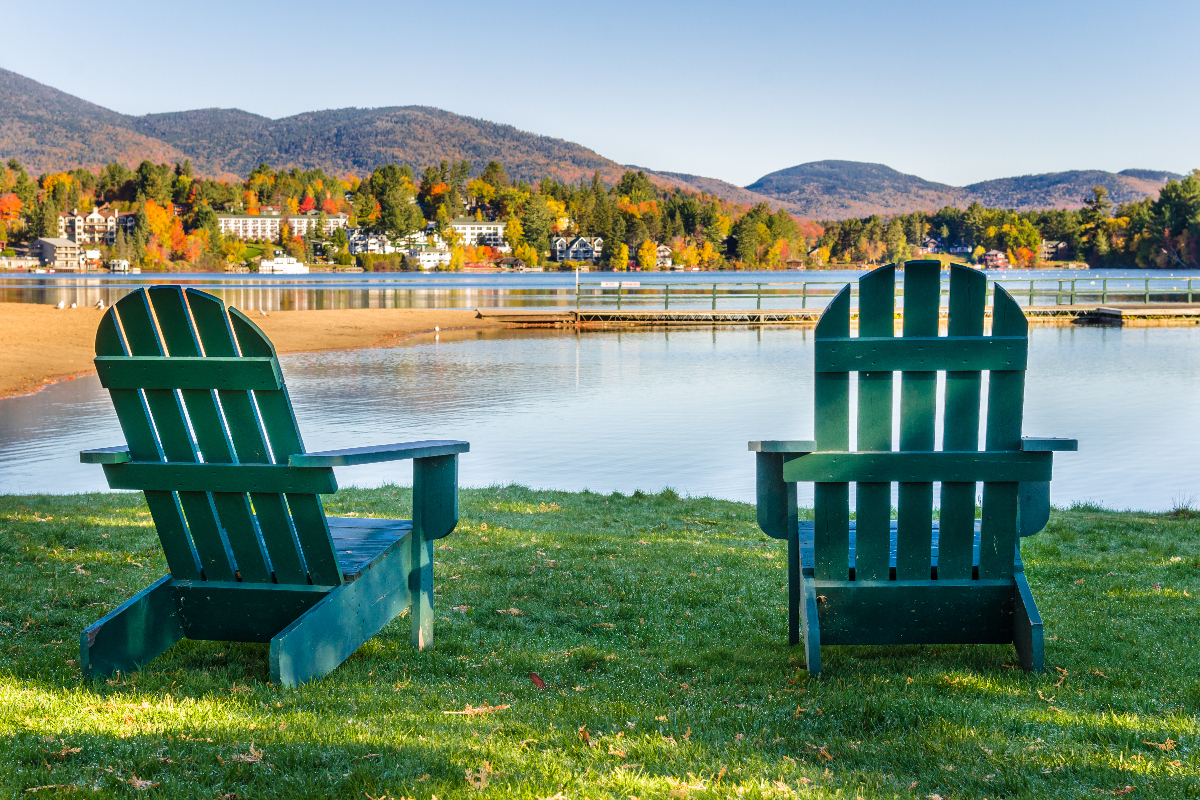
<point x="420" y="587"/>
<point x="329" y="632"/>
<point x="794" y="587"/>
<point x="133" y="634"/>
<point x="810" y="624"/>
<point x="1027" y="627"/>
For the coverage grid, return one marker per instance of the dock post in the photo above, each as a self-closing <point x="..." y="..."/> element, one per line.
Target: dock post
<point x="1147" y="300"/>
<point x="619" y="287"/>
<point x="714" y="308"/>
<point x="667" y="297"/>
<point x="1104" y="291"/>
<point x="759" y="306"/>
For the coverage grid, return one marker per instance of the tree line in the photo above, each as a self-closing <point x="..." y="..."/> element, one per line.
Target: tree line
<point x="176" y="219"/>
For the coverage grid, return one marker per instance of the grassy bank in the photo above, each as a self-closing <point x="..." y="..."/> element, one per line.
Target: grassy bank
<point x="657" y="625"/>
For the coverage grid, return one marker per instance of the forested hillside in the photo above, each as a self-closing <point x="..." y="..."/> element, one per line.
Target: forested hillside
<point x="51" y="131"/>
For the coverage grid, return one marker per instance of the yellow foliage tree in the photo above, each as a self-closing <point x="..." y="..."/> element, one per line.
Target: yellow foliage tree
<point x="647" y="254"/>
<point x="620" y="256"/>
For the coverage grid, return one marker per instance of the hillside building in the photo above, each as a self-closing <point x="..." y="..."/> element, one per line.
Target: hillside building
<point x="474" y="232"/>
<point x="268" y="225"/>
<point x="98" y="226"/>
<point x="580" y="248"/>
<point x="59" y="253"/>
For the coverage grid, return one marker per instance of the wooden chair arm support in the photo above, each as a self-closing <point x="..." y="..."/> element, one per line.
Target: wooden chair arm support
<point x="352" y="456"/>
<point x="1044" y="444"/>
<point x="782" y="446"/>
<point x="776" y="498"/>
<point x="106" y="455"/>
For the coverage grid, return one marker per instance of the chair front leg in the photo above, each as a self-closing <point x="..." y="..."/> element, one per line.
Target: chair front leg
<point x="435" y="514"/>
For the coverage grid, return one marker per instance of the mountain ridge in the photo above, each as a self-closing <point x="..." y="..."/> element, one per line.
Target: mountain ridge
<point x="49" y="130"/>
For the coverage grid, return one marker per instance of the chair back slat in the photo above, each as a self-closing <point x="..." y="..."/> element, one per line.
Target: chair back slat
<point x="174" y="436"/>
<point x="918" y="410"/>
<point x="831" y="501"/>
<point x="134" y="418"/>
<point x="914" y="549"/>
<point x="960" y="428"/>
<point x="283" y="435"/>
<point x="873" y="504"/>
<point x="255" y="536"/>
<point x="249" y="440"/>
<point x="233" y="508"/>
<point x="1006" y="392"/>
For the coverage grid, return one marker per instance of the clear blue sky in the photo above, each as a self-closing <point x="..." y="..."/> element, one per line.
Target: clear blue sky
<point x="951" y="91"/>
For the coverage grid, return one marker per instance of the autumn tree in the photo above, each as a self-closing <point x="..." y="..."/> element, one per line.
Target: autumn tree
<point x="647" y="254"/>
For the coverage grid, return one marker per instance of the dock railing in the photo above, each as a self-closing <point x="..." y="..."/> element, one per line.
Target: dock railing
<point x="644" y="295"/>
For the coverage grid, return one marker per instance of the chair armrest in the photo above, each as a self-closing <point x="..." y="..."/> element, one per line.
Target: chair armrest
<point x="780" y="446"/>
<point x="384" y="452"/>
<point x="1045" y="444"/>
<point x="106" y="455"/>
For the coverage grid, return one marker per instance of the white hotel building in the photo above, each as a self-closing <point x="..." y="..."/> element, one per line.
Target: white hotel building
<point x="266" y="226"/>
<point x="473" y="232"/>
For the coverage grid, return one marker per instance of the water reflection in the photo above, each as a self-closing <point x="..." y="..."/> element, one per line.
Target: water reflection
<point x="648" y="409"/>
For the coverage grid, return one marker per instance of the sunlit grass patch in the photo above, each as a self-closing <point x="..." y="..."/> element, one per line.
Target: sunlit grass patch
<point x="655" y="627"/>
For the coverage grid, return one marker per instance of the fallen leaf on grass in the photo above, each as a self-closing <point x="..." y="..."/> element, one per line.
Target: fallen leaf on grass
<point x="141" y="785"/>
<point x="1098" y="672"/>
<point x="538" y="682"/>
<point x="474" y="712"/>
<point x="1081" y="580"/>
<point x="822" y="751"/>
<point x="1126" y="790"/>
<point x="612" y="751"/>
<point x="1169" y="744"/>
<point x="511" y="612"/>
<point x="253" y="757"/>
<point x="51" y="786"/>
<point x="460" y="608"/>
<point x="586" y="737"/>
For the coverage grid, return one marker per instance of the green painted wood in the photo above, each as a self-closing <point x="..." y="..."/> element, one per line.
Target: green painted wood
<point x="133" y="634"/>
<point x="249" y="442"/>
<point x="873" y="500"/>
<point x="1027" y="628"/>
<point x="917" y="467"/>
<point x="233" y="508"/>
<point x="810" y="622"/>
<point x="134" y="418"/>
<point x="241" y="612"/>
<point x="174" y="436"/>
<point x="275" y="409"/>
<point x="916" y="612"/>
<point x="223" y="495"/>
<point x="776" y="506"/>
<point x="373" y="455"/>
<point x="918" y="399"/>
<point x="201" y="478"/>
<point x="831" y="501"/>
<point x="783" y="446"/>
<point x="177" y="372"/>
<point x="960" y="426"/>
<point x="998" y="530"/>
<point x="435" y="514"/>
<point x="1033" y="507"/>
<point x="921" y="353"/>
<point x="329" y="633"/>
<point x="1047" y="444"/>
<point x="106" y="455"/>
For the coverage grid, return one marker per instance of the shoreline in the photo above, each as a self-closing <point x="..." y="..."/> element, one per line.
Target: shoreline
<point x="41" y="345"/>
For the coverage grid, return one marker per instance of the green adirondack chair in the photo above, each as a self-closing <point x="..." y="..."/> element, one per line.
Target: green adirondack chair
<point x="213" y="444"/>
<point x="913" y="580"/>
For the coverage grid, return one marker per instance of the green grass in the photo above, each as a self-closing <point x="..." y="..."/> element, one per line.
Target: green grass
<point x="658" y="626"/>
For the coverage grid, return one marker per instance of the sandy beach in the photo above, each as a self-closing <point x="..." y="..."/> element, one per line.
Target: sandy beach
<point x="40" y="344"/>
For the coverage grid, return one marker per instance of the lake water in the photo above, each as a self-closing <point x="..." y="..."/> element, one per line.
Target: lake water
<point x="651" y="408"/>
<point x="487" y="290"/>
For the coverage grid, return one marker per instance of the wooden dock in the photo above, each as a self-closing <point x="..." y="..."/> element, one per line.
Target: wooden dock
<point x="1112" y="314"/>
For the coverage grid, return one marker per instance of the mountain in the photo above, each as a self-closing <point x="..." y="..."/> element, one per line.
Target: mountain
<point x="48" y="130"/>
<point x="839" y="189"/>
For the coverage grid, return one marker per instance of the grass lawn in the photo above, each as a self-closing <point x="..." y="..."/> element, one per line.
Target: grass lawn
<point x="657" y="625"/>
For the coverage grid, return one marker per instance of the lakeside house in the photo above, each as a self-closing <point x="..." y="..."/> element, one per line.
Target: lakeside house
<point x="512" y="263"/>
<point x="580" y="248"/>
<point x="60" y="253"/>
<point x="98" y="226"/>
<point x="663" y="257"/>
<point x="1054" y="251"/>
<point x="428" y="256"/>
<point x="994" y="259"/>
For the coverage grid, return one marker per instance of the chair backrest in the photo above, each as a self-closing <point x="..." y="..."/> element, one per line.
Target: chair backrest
<point x="195" y="383"/>
<point x="919" y="354"/>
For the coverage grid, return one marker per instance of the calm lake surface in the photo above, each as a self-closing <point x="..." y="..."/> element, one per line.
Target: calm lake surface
<point x="647" y="409"/>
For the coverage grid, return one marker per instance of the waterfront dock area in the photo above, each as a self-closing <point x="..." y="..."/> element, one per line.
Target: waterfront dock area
<point x="1113" y="313"/>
